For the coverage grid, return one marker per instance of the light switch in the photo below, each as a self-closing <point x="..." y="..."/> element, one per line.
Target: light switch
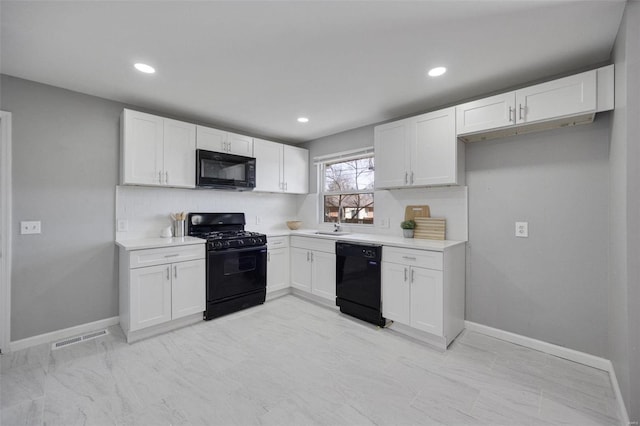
<point x="522" y="229"/>
<point x="122" y="225"/>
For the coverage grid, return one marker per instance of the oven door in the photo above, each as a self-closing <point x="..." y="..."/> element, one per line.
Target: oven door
<point x="235" y="272"/>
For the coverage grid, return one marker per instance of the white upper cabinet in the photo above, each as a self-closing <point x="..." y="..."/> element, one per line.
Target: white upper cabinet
<point x="268" y="165"/>
<point x="179" y="153"/>
<point x="419" y="151"/>
<point x="220" y="141"/>
<point x="281" y="168"/>
<point x="391" y="141"/>
<point x="565" y="101"/>
<point x="295" y="169"/>
<point x="566" y="96"/>
<point x="157" y="151"/>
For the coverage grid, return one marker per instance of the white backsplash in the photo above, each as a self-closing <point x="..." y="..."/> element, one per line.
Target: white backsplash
<point x="147" y="209"/>
<point x="449" y="202"/>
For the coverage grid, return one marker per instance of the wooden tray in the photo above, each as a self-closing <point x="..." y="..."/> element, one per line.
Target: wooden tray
<point x="411" y="212"/>
<point x="430" y="228"/>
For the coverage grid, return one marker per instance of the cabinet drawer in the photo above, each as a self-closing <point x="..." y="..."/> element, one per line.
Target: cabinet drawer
<point x="421" y="258"/>
<point x="159" y="256"/>
<point x="309" y="243"/>
<point x="277" y="242"/>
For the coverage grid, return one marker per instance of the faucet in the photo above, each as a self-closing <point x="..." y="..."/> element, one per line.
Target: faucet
<point x="338" y="225"/>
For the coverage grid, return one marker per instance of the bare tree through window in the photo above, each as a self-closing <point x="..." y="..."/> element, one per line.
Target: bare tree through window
<point x="348" y="191"/>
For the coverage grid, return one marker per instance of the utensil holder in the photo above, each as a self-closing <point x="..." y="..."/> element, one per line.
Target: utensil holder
<point x="178" y="228"/>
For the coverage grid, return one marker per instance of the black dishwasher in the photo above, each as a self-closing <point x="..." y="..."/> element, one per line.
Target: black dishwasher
<point x="358" y="282"/>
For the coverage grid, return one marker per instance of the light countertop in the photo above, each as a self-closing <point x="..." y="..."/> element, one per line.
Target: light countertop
<point x="157" y="242"/>
<point x="387" y="240"/>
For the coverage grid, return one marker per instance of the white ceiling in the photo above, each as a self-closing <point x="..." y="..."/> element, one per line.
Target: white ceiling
<point x="257" y="66"/>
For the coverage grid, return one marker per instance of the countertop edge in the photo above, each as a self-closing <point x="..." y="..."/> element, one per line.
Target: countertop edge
<point x="157" y="242"/>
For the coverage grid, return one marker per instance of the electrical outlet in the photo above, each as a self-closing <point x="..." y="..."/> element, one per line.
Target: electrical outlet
<point x="122" y="225"/>
<point x="30" y="227"/>
<point x="522" y="229"/>
<point x="383" y="222"/>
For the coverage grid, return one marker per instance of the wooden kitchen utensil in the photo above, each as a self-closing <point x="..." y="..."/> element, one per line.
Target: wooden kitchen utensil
<point x="411" y="212"/>
<point x="430" y="228"/>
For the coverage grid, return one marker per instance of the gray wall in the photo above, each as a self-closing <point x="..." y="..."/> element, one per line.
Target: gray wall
<point x="65" y="168"/>
<point x="551" y="286"/>
<point x="351" y="139"/>
<point x="624" y="270"/>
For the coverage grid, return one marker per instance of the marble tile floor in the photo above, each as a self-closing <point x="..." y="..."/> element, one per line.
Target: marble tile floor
<point x="291" y="362"/>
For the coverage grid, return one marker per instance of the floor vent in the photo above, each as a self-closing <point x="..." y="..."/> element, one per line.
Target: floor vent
<point x="78" y="339"/>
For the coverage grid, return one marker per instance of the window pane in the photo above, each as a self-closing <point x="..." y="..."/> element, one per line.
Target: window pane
<point x="352" y="208"/>
<point x="349" y="175"/>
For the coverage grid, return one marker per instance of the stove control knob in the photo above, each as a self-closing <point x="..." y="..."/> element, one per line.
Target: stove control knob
<point x="217" y="244"/>
<point x="241" y="242"/>
<point x="227" y="243"/>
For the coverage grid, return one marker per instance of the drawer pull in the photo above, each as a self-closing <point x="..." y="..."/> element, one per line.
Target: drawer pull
<point x="409" y="258"/>
<point x="172" y="255"/>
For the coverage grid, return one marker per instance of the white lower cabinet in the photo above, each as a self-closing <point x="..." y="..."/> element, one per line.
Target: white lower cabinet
<point x="160" y="285"/>
<point x="277" y="263"/>
<point x="424" y="290"/>
<point x="313" y="266"/>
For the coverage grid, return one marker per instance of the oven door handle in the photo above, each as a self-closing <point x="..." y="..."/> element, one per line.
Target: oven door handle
<point x="237" y="250"/>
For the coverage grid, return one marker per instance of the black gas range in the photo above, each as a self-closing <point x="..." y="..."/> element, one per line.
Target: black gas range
<point x="236" y="262"/>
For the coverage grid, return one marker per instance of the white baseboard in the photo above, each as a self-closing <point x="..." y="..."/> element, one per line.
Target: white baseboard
<point x="539" y="345"/>
<point x="63" y="334"/>
<point x="561" y="352"/>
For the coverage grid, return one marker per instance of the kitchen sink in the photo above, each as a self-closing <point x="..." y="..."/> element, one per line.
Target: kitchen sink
<point x="332" y="233"/>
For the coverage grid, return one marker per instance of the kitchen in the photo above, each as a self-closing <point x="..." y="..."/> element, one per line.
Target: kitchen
<point x="572" y="179"/>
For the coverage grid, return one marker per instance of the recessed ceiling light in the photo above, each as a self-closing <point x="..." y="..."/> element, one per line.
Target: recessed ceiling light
<point x="435" y="72"/>
<point x="303" y="120"/>
<point x="147" y="69"/>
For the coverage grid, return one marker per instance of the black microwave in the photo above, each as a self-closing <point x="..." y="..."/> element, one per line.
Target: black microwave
<point x="225" y="171"/>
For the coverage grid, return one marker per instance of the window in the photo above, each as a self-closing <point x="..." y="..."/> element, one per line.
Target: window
<point x="347" y="188"/>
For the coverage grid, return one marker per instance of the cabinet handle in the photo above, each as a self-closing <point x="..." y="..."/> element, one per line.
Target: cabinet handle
<point x="160" y="177"/>
<point x="406" y="178"/>
<point x="413" y="274"/>
<point x="172" y="255"/>
<point x="405" y="274"/>
<point x="312" y="256"/>
<point x="411" y="178"/>
<point x="268" y="257"/>
<point x="276" y="243"/>
<point x="175" y="271"/>
<point x="168" y="273"/>
<point x="286" y="185"/>
<point x="166" y="177"/>
<point x="510" y="111"/>
<point x="521" y="108"/>
<point x="409" y="258"/>
<point x="307" y="256"/>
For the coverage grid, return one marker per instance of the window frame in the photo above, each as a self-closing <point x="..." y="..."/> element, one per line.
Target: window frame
<point x="322" y="163"/>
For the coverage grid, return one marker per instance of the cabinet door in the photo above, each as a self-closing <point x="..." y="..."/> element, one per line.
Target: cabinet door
<point x="396" y="292"/>
<point x="239" y="145"/>
<point x="296" y="169"/>
<point x="323" y="281"/>
<point x="301" y="268"/>
<point x="211" y="139"/>
<point x="426" y="300"/>
<point x="485" y="114"/>
<point x="390" y="142"/>
<point x="150" y="293"/>
<point x="188" y="288"/>
<point x="434" y="159"/>
<point x="566" y="96"/>
<point x="277" y="269"/>
<point x="179" y="154"/>
<point x="142" y="151"/>
<point x="268" y="165"/>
